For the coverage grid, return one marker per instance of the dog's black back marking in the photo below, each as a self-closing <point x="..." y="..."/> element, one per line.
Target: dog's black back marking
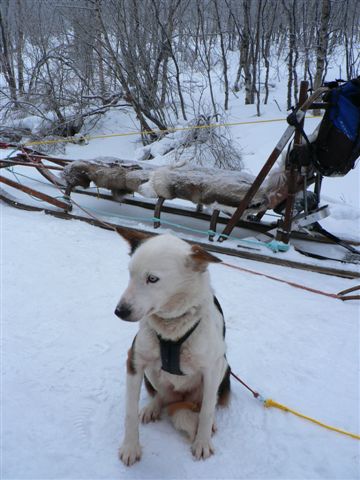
<point x="225" y="386"/>
<point x="224" y="389"/>
<point x="218" y="306"/>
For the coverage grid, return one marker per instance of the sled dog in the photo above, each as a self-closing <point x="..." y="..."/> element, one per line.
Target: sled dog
<point x="179" y="350"/>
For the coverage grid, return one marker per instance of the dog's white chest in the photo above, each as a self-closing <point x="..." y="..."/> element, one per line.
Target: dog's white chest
<point x="189" y="361"/>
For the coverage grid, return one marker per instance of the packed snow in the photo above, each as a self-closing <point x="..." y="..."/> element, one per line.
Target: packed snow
<point x="64" y="357"/>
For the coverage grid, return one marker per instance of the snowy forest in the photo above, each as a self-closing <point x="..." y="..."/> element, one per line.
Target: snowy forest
<point x="70" y="61"/>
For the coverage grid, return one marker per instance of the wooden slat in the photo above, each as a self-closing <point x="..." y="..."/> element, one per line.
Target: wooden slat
<point x="35" y="193"/>
<point x="213" y="247"/>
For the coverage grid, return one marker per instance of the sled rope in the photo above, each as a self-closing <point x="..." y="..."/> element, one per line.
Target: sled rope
<point x="269" y="403"/>
<point x="207" y="232"/>
<point x="339" y="296"/>
<point x="156" y="131"/>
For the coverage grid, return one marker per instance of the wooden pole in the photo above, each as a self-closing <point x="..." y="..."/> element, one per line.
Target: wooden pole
<point x="284" y="230"/>
<point x="35" y="193"/>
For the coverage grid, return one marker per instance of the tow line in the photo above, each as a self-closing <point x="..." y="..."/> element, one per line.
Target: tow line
<point x="269" y="403"/>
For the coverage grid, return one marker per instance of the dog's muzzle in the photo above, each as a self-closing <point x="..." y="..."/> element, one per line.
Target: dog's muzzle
<point x="123" y="311"/>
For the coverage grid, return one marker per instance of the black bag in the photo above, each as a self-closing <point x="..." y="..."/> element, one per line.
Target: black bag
<point x="337" y="145"/>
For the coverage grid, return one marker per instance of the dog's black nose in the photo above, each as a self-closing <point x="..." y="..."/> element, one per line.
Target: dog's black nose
<point x="123" y="312"/>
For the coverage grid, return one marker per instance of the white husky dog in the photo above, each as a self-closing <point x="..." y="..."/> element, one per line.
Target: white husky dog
<point x="179" y="349"/>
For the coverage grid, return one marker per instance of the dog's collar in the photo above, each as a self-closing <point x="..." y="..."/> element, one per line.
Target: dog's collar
<point x="170" y="352"/>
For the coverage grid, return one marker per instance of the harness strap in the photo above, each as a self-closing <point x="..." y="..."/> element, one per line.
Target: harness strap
<point x="170" y="349"/>
<point x="170" y="352"/>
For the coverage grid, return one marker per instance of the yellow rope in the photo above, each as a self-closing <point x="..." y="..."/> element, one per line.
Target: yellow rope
<point x="146" y="132"/>
<point x="271" y="403"/>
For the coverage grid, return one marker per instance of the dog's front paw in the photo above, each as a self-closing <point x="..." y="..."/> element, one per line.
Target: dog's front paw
<point x="202" y="449"/>
<point x="150" y="413"/>
<point x="129" y="453"/>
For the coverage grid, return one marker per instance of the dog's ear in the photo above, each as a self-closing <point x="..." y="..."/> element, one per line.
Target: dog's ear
<point x="133" y="237"/>
<point x="200" y="258"/>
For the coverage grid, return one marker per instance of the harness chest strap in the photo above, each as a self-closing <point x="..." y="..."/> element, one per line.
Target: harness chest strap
<point x="170" y="349"/>
<point x="170" y="352"/>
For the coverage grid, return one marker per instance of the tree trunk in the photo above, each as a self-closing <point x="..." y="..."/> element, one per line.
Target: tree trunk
<point x="19" y="49"/>
<point x="321" y="51"/>
<point x="5" y="59"/>
<point x="292" y="56"/>
<point x="223" y="56"/>
<point x="245" y="55"/>
<point x="256" y="60"/>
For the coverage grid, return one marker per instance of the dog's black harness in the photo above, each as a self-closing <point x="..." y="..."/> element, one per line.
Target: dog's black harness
<point x="170" y="349"/>
<point x="170" y="352"/>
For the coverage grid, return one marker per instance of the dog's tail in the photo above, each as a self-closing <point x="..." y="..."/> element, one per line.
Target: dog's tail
<point x="185" y="417"/>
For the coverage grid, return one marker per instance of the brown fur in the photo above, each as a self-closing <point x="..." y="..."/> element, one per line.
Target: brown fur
<point x="201" y="258"/>
<point x="174" y="407"/>
<point x="205" y="186"/>
<point x="223" y="395"/>
<point x="134" y="237"/>
<point x="130" y="362"/>
<point x="117" y="178"/>
<point x="130" y="366"/>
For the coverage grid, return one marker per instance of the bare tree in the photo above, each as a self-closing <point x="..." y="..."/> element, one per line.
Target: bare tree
<point x="223" y="55"/>
<point x="268" y="15"/>
<point x="323" y="37"/>
<point x="6" y="59"/>
<point x="245" y="53"/>
<point x="68" y="62"/>
<point x="290" y="9"/>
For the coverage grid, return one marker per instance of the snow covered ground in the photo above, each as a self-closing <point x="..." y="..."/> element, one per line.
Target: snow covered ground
<point x="64" y="366"/>
<point x="64" y="350"/>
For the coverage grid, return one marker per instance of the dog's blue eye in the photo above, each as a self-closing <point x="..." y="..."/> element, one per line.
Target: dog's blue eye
<point x="152" y="279"/>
